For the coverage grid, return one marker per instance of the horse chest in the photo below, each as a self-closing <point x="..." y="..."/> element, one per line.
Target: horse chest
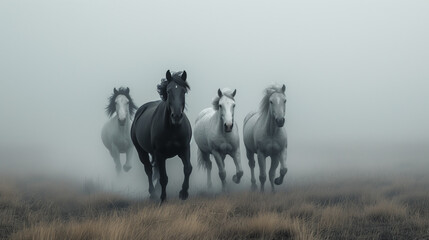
<point x="222" y="144"/>
<point x="172" y="144"/>
<point x="271" y="146"/>
<point x="225" y="147"/>
<point x="122" y="143"/>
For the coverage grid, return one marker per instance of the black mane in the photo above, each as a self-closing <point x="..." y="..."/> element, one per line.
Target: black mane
<point x="176" y="77"/>
<point x="111" y="107"/>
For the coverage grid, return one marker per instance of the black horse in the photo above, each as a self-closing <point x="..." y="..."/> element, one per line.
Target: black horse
<point x="161" y="129"/>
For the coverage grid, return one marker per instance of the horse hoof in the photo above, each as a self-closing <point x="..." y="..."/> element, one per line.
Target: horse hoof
<point x="278" y="181"/>
<point x="254" y="187"/>
<point x="236" y="179"/>
<point x="183" y="194"/>
<point x="162" y="202"/>
<point x="127" y="168"/>
<point x="153" y="197"/>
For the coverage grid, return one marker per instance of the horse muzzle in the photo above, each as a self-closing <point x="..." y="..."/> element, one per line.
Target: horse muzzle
<point x="228" y="127"/>
<point x="280" y="122"/>
<point x="176" y="119"/>
<point x="121" y="122"/>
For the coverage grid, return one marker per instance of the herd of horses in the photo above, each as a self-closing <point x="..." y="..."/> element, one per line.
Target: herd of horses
<point x="162" y="130"/>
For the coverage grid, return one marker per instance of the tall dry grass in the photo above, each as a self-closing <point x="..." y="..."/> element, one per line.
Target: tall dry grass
<point x="389" y="208"/>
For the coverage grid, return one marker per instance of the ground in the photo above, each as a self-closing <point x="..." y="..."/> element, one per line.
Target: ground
<point x="393" y="207"/>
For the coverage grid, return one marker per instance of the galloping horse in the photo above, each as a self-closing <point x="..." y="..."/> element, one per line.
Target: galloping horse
<point x="116" y="132"/>
<point x="264" y="134"/>
<point x="215" y="134"/>
<point x="162" y="130"/>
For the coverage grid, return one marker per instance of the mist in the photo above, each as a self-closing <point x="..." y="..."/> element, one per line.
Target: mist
<point x="355" y="72"/>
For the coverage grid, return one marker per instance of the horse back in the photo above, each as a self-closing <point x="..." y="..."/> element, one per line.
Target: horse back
<point x="140" y="129"/>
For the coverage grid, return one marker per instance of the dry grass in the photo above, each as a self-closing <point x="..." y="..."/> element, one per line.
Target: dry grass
<point x="395" y="208"/>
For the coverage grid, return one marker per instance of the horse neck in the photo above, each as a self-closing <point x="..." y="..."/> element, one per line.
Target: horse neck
<point x="269" y="123"/>
<point x="217" y="121"/>
<point x="165" y="114"/>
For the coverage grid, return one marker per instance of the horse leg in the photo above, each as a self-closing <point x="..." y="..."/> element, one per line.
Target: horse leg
<point x="251" y="158"/>
<point x="262" y="169"/>
<point x="204" y="159"/>
<point x="114" y="152"/>
<point x="239" y="171"/>
<point x="163" y="178"/>
<point x="130" y="156"/>
<point x="144" y="158"/>
<point x="220" y="164"/>
<point x="187" y="169"/>
<point x="272" y="172"/>
<point x="156" y="175"/>
<point x="283" y="168"/>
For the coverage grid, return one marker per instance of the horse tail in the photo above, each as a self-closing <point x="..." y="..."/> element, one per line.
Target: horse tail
<point x="201" y="162"/>
<point x="248" y="116"/>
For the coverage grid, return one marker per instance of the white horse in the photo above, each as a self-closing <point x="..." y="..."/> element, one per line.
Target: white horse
<point x="264" y="134"/>
<point x="216" y="133"/>
<point x="116" y="132"/>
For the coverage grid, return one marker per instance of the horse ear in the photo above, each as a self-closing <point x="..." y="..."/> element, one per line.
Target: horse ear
<point x="219" y="92"/>
<point x="168" y="75"/>
<point x="233" y="93"/>
<point x="284" y="88"/>
<point x="115" y="91"/>
<point x="127" y="90"/>
<point x="184" y="75"/>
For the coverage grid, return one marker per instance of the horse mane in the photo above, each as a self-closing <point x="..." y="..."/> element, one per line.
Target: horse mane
<point x="176" y="77"/>
<point x="264" y="106"/>
<point x="111" y="107"/>
<point x="225" y="92"/>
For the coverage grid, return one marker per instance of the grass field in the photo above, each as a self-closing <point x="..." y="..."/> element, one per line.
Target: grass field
<point x="353" y="208"/>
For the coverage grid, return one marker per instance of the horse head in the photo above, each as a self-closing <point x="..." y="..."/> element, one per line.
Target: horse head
<point x="277" y="106"/>
<point x="226" y="107"/>
<point x="175" y="90"/>
<point x="121" y="103"/>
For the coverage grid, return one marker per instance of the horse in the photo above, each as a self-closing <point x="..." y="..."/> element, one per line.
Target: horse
<point x="115" y="133"/>
<point x="162" y="130"/>
<point x="215" y="134"/>
<point x="264" y="134"/>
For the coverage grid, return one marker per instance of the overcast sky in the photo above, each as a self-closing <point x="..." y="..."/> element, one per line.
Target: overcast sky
<point x="355" y="71"/>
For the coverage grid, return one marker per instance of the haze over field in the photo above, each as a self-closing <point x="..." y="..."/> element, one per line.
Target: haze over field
<point x="356" y="74"/>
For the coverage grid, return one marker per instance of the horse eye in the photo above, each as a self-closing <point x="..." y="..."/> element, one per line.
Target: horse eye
<point x="271" y="102"/>
<point x="285" y="100"/>
<point x="220" y="106"/>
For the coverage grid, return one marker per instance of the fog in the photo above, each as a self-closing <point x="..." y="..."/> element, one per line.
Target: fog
<point x="356" y="74"/>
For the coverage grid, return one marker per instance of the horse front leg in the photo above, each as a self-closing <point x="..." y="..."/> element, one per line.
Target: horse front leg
<point x="221" y="166"/>
<point x="272" y="172"/>
<point x="283" y="168"/>
<point x="187" y="169"/>
<point x="114" y="152"/>
<point x="251" y="157"/>
<point x="163" y="178"/>
<point x="262" y="169"/>
<point x="239" y="171"/>
<point x="130" y="156"/>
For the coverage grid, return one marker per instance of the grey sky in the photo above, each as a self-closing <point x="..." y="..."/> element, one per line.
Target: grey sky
<point x="356" y="71"/>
